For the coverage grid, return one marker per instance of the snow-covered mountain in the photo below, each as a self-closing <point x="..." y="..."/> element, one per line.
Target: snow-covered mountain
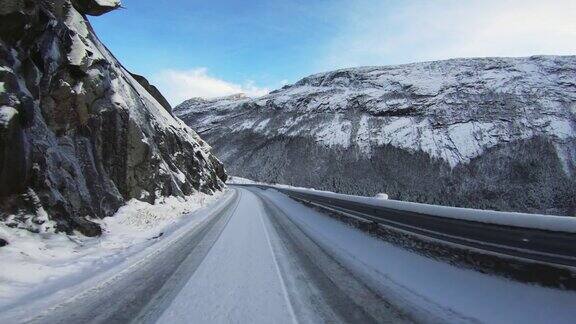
<point x="490" y="133"/>
<point x="79" y="134"/>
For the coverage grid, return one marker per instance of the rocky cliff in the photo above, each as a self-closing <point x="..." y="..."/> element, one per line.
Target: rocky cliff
<point x="496" y="133"/>
<point x="79" y="134"/>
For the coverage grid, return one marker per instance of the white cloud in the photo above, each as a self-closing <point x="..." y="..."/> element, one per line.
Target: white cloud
<point x="376" y="33"/>
<point x="177" y="85"/>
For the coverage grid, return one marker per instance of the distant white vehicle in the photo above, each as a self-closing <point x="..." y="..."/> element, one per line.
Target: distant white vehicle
<point x="381" y="196"/>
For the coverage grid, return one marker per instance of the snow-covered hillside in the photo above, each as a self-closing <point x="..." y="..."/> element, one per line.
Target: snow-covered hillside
<point x="476" y="129"/>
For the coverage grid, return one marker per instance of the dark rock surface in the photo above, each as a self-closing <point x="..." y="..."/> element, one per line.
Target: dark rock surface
<point x="153" y="91"/>
<point x="494" y="133"/>
<point x="95" y="7"/>
<point x="79" y="135"/>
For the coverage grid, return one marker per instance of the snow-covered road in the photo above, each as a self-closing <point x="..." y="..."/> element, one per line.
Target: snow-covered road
<point x="239" y="280"/>
<point x="278" y="261"/>
<point x="260" y="271"/>
<point x="265" y="258"/>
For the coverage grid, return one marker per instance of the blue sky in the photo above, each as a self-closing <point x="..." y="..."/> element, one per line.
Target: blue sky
<point x="218" y="47"/>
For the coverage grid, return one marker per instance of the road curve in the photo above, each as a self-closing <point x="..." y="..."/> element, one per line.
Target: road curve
<point x="263" y="269"/>
<point x="264" y="258"/>
<point x="248" y="263"/>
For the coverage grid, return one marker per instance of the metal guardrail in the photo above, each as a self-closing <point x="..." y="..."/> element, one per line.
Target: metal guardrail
<point x="552" y="247"/>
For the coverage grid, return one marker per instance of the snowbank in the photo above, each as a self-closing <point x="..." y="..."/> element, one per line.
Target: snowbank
<point x="34" y="265"/>
<point x="565" y="224"/>
<point x="240" y="180"/>
<point x="543" y="222"/>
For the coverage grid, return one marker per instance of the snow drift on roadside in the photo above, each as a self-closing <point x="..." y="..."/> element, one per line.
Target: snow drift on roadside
<point x="37" y="264"/>
<point x="240" y="180"/>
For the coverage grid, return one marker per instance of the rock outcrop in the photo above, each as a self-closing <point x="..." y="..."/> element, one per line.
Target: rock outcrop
<point x="153" y="91"/>
<point x="496" y="133"/>
<point x="80" y="135"/>
<point x="95" y="7"/>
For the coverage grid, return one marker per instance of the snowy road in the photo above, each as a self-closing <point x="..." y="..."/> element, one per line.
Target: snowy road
<point x="261" y="271"/>
<point x="239" y="280"/>
<point x="278" y="261"/>
<point x="264" y="258"/>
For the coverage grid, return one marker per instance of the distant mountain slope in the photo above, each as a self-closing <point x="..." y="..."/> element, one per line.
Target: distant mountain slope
<point x="80" y="135"/>
<point x="493" y="133"/>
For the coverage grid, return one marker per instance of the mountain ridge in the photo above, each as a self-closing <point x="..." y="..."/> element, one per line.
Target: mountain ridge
<point x="449" y="112"/>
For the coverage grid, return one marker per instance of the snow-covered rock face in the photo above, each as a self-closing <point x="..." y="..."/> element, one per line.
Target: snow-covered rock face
<point x="96" y="7"/>
<point x="453" y="112"/>
<point x="79" y="135"/>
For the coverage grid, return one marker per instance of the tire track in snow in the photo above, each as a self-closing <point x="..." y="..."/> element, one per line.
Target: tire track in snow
<point x="271" y="249"/>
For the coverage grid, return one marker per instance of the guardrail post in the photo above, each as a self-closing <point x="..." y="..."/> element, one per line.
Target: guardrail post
<point x="370" y="227"/>
<point x="373" y="228"/>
